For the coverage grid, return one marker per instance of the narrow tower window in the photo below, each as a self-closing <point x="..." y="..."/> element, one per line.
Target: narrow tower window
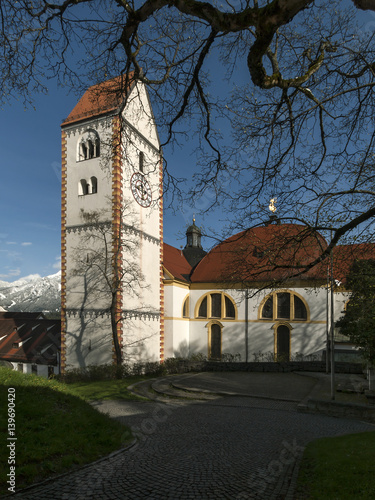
<point x="94" y="185"/>
<point x="91" y="149"/>
<point x="83" y="187"/>
<point x="83" y="151"/>
<point x="141" y="161"/>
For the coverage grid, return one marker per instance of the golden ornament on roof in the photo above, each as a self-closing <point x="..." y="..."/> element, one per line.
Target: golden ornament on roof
<point x="272" y="206"/>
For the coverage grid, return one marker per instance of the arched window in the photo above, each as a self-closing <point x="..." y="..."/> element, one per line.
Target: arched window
<point x="216" y="305"/>
<point x="282" y="343"/>
<point x="83" y="151"/>
<point x="230" y="311"/>
<point x="202" y="312"/>
<point x="214" y="340"/>
<point x="88" y="146"/>
<point x="94" y="185"/>
<point x="83" y="187"/>
<point x="185" y="308"/>
<point x="284" y="306"/>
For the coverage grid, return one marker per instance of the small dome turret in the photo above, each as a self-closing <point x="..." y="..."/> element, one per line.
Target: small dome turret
<point x="193" y="236"/>
<point x="193" y="251"/>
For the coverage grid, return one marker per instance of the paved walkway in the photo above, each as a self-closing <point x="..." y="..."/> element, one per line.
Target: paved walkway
<point x="282" y="386"/>
<point x="295" y="386"/>
<point x="228" y="448"/>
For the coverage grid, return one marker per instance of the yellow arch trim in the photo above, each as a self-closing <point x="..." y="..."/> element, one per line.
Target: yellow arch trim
<point x="209" y="326"/>
<point x="187" y="298"/>
<point x="274" y="296"/>
<point x="208" y="295"/>
<point x="275" y="327"/>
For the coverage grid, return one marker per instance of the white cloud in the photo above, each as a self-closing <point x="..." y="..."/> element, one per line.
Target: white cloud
<point x="12" y="273"/>
<point x="26" y="243"/>
<point x="10" y="243"/>
<point x="57" y="264"/>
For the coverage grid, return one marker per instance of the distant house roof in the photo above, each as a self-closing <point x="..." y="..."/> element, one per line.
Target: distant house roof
<point x="24" y="340"/>
<point x="101" y="99"/>
<point x="175" y="263"/>
<point x="21" y="315"/>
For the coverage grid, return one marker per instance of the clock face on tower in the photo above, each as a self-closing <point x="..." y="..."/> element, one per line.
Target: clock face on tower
<point x="141" y="189"/>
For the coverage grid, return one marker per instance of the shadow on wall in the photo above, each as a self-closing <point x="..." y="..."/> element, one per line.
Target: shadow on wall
<point x="306" y="339"/>
<point x="89" y="341"/>
<point x="144" y="347"/>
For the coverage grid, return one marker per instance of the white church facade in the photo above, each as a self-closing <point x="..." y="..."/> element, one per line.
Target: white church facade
<point x="118" y="275"/>
<point x="111" y="228"/>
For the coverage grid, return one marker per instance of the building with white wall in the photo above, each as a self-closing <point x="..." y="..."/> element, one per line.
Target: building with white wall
<point x="242" y="298"/>
<point x="111" y="227"/>
<point x="30" y="343"/>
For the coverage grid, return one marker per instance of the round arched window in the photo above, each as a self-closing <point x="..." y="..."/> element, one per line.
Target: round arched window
<point x="216" y="305"/>
<point x="284" y="305"/>
<point x="88" y="146"/>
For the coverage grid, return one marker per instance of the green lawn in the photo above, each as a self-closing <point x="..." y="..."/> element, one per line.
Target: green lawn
<point x="106" y="389"/>
<point x="338" y="468"/>
<point x="55" y="428"/>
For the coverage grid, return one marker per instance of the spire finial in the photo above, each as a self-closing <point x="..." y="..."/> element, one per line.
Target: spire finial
<point x="193" y="218"/>
<point x="272" y="205"/>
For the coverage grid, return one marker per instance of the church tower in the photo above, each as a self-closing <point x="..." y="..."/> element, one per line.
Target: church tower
<point x="112" y="291"/>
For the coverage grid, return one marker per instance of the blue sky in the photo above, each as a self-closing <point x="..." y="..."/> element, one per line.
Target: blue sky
<point x="30" y="142"/>
<point x="30" y="201"/>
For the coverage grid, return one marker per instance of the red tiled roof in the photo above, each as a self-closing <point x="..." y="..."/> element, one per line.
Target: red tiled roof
<point x="101" y="99"/>
<point x="38" y="341"/>
<point x="345" y="255"/>
<point x="175" y="263"/>
<point x="262" y="254"/>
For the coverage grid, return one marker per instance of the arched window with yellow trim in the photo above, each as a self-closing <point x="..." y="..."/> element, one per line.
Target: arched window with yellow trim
<point x="284" y="305"/>
<point x="216" y="305"/>
<point x="185" y="308"/>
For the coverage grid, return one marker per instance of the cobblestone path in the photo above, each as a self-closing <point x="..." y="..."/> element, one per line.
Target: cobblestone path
<point x="231" y="448"/>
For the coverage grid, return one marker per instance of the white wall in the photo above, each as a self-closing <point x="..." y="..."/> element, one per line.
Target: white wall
<point x="42" y="370"/>
<point x="307" y="337"/>
<point x="176" y="338"/>
<point x="89" y="337"/>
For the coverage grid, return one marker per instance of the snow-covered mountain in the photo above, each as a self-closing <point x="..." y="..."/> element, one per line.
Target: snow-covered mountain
<point x="32" y="294"/>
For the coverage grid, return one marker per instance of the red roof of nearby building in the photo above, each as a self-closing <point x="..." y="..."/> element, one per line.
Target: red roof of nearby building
<point x="30" y="341"/>
<point x="175" y="263"/>
<point x="101" y="99"/>
<point x="345" y="255"/>
<point x="262" y="254"/>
